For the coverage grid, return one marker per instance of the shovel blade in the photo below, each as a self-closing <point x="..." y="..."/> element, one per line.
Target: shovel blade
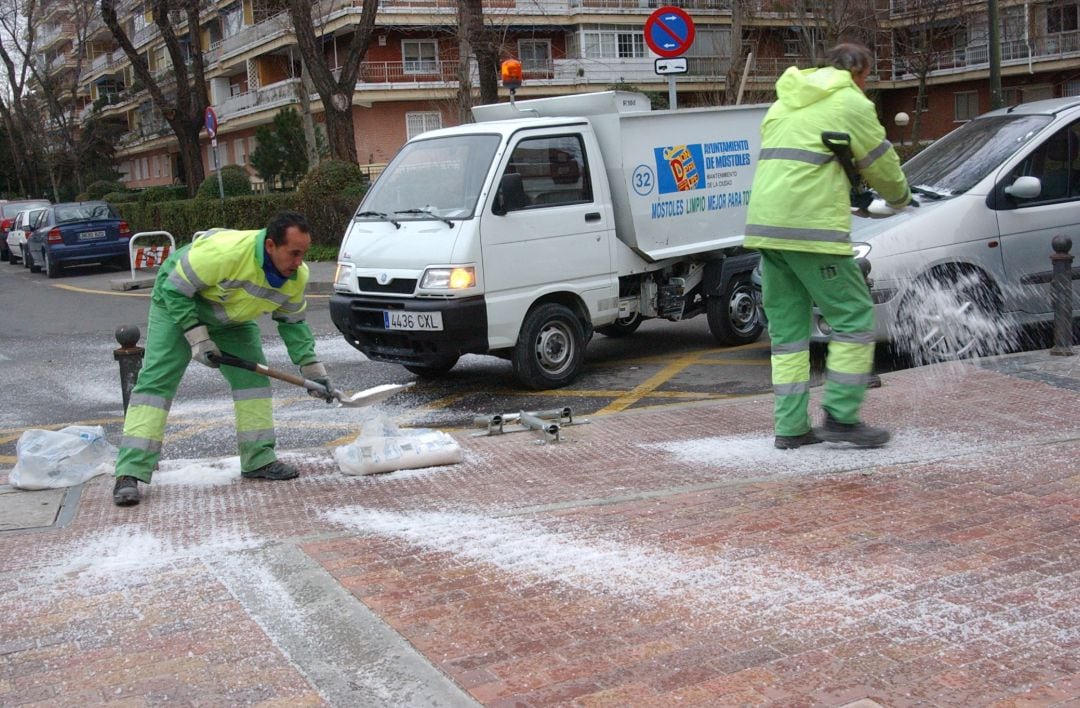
<point x="371" y="395"/>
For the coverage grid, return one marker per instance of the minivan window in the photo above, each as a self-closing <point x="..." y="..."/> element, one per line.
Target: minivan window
<point x="957" y="162"/>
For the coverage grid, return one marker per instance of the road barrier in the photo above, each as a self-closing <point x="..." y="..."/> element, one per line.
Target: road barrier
<point x="149" y="256"/>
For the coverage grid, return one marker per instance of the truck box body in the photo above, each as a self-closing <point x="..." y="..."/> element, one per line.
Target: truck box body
<point x="680" y="180"/>
<point x="521" y="234"/>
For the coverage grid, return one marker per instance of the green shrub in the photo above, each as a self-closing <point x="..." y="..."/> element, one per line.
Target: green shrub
<point x="162" y="193"/>
<point x="98" y="190"/>
<point x="333" y="178"/>
<point x="82" y="197"/>
<point x="235" y="182"/>
<point x="120" y="197"/>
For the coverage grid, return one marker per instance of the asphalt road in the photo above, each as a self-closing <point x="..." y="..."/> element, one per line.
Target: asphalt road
<point x="57" y="342"/>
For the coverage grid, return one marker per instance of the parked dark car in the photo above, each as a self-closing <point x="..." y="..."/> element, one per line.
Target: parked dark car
<point x="8" y="212"/>
<point x="77" y="233"/>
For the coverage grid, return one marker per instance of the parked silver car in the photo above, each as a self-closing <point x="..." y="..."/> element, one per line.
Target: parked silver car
<point x="25" y="222"/>
<point x="958" y="275"/>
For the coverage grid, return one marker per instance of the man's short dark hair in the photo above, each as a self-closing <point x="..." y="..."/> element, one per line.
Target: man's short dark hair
<point x="281" y="223"/>
<point x="851" y="57"/>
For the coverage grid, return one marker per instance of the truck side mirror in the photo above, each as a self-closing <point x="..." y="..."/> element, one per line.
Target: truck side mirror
<point x="510" y="195"/>
<point x="1024" y="188"/>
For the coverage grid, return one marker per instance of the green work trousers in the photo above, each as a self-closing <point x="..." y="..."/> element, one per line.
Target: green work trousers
<point x="167" y="357"/>
<point x="792" y="282"/>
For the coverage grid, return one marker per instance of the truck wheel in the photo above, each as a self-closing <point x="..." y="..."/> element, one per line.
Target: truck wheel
<point x="550" y="349"/>
<point x="622" y="327"/>
<point x="733" y="314"/>
<point x="432" y="370"/>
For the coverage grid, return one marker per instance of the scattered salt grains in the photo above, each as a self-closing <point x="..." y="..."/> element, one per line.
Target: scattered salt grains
<point x="756" y="456"/>
<point x="198" y="472"/>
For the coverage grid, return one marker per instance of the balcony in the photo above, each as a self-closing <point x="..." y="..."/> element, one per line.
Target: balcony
<point x="147" y="131"/>
<point x="51" y="34"/>
<point x="253" y="35"/>
<point x="1061" y="45"/>
<point x="282" y="93"/>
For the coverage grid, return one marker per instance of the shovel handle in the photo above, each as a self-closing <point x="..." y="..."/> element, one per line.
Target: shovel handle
<point x="235" y="361"/>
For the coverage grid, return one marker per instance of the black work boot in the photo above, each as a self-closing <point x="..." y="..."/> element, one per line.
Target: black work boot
<point x="792" y="442"/>
<point x="857" y="434"/>
<point x="126" y="491"/>
<point x="273" y="470"/>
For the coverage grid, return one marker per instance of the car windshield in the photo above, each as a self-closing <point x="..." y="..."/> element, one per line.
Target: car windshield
<point x="12" y="209"/>
<point x="957" y="162"/>
<point x="439" y="178"/>
<point x="83" y="212"/>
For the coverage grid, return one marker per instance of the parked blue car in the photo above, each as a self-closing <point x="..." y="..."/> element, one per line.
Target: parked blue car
<point x="77" y="233"/>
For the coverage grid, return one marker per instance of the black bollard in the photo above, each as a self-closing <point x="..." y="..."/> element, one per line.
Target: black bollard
<point x="1061" y="295"/>
<point x="130" y="358"/>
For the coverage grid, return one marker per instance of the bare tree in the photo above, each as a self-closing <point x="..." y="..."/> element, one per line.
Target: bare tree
<point x="931" y="34"/>
<point x="336" y="92"/>
<point x="825" y="23"/>
<point x="16" y="19"/>
<point x="180" y="95"/>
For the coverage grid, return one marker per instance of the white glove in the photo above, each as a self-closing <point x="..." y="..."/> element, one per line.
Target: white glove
<point x="201" y="345"/>
<point x="315" y="371"/>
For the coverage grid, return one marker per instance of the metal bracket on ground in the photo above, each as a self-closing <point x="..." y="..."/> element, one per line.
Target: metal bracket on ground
<point x="549" y="422"/>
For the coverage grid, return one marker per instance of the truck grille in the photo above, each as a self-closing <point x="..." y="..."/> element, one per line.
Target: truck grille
<point x="398" y="286"/>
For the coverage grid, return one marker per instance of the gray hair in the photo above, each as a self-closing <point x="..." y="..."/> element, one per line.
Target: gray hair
<point x="851" y="57"/>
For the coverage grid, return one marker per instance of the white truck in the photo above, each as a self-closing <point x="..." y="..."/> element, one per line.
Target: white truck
<point x="546" y="220"/>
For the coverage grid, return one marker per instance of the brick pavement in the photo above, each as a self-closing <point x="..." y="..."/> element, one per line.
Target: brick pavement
<point x="657" y="557"/>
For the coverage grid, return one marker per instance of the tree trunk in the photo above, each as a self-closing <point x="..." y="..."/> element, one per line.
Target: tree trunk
<point x="190" y="155"/>
<point x="305" y="89"/>
<point x="339" y="132"/>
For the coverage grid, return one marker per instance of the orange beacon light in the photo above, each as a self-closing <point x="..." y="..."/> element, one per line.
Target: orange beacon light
<point x="511" y="74"/>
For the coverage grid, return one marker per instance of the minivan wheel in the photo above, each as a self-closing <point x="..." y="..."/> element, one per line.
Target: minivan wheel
<point x="550" y="350"/>
<point x="948" y="318"/>
<point x="733" y="314"/>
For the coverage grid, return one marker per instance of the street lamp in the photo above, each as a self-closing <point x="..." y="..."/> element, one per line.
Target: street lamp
<point x="901" y="119"/>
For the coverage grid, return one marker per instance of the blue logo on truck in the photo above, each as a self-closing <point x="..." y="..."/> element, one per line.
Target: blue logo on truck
<point x="679" y="168"/>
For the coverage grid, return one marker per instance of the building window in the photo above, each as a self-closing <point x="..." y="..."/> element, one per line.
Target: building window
<point x="613" y="43"/>
<point x="535" y="55"/>
<point x="417" y="122"/>
<point x="420" y="56"/>
<point x="965" y="105"/>
<point x="241" y="156"/>
<point x="252" y="144"/>
<point x="1064" y="17"/>
<point x="1071" y="88"/>
<point x="157" y="165"/>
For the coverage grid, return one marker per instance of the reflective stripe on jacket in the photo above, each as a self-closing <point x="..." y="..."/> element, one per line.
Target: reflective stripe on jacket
<point x="799" y="199"/>
<point x="218" y="280"/>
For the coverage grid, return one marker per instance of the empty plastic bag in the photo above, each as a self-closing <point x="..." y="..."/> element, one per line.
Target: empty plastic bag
<point x="48" y="459"/>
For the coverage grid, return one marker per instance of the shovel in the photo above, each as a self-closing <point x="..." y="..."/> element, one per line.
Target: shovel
<point x="358" y="400"/>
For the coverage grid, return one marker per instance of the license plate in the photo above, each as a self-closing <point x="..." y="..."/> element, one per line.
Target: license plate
<point x="91" y="235"/>
<point x="413" y="321"/>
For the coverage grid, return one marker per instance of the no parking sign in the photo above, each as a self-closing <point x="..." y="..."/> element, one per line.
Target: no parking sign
<point x="669" y="31"/>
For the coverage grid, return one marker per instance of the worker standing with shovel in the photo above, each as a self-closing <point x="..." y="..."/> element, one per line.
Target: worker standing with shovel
<point x="800" y="220"/>
<point x="205" y="300"/>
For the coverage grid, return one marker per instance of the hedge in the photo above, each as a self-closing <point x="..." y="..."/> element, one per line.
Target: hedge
<point x="329" y="216"/>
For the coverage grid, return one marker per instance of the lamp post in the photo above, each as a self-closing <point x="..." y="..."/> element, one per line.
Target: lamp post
<point x="902" y="119"/>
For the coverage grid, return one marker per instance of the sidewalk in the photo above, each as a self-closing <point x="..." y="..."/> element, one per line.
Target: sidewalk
<point x="658" y="557"/>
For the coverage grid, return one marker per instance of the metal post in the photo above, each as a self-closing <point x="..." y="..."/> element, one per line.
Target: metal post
<point x="130" y="358"/>
<point x="217" y="166"/>
<point x="672" y="98"/>
<point x="1061" y="295"/>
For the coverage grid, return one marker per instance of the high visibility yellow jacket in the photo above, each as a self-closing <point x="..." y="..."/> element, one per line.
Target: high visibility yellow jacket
<point x="799" y="200"/>
<point x="218" y="280"/>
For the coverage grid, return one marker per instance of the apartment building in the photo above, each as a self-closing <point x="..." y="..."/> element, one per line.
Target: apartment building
<point x="409" y="78"/>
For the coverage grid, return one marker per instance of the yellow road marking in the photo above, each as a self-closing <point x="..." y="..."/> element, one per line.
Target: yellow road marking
<point x="650" y="384"/>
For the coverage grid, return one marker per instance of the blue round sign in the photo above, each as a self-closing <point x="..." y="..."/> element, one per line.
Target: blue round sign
<point x="211" y="122"/>
<point x="669" y="32"/>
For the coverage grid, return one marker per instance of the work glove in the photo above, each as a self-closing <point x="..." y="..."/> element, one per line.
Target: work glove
<point x="202" y="347"/>
<point x="315" y="371"/>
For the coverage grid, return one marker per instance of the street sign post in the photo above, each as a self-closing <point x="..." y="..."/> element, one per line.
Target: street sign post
<point x="669" y="32"/>
<point x="211" y="122"/>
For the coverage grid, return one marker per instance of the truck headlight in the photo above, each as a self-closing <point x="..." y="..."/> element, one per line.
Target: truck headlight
<point x="343" y="276"/>
<point x="449" y="278"/>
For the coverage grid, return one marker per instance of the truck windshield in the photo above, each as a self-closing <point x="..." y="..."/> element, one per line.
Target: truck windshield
<point x="957" y="162"/>
<point x="438" y="178"/>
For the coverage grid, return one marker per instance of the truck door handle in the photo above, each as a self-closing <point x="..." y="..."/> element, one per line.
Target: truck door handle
<point x="592" y="216"/>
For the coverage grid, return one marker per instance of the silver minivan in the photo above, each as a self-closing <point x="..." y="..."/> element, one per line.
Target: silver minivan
<point x="958" y="276"/>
